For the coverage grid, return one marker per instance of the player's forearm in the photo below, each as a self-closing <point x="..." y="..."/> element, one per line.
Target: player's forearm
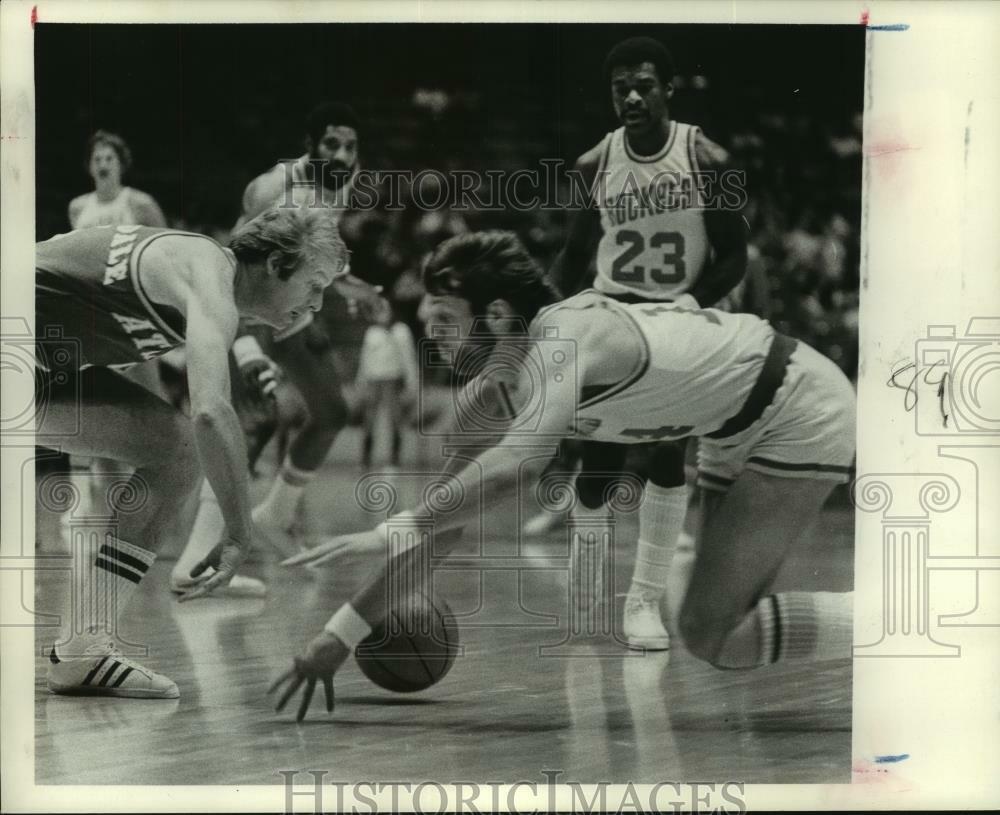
<point x="729" y="267"/>
<point x="455" y="503"/>
<point x="721" y="277"/>
<point x="371" y="601"/>
<point x="222" y="452"/>
<point x="355" y="619"/>
<point x="569" y="269"/>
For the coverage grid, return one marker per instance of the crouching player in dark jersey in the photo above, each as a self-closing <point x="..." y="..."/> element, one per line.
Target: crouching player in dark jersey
<point x="111" y="297"/>
<point x="775" y="419"/>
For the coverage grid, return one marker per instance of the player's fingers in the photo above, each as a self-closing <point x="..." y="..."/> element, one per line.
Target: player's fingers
<point x="327" y="557"/>
<point x="290" y="691"/>
<point x="310" y="555"/>
<point x="201" y="566"/>
<point x="328" y="689"/>
<point x="307" y="696"/>
<point x="277" y="683"/>
<point x="299" y="559"/>
<point x="207" y="586"/>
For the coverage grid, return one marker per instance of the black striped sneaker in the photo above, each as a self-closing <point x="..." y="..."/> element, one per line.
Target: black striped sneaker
<point x="105" y="672"/>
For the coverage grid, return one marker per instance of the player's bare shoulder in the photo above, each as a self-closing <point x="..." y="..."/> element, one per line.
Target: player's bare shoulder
<point x="178" y="265"/>
<point x="265" y="190"/>
<point x="588" y="165"/>
<point x="76" y="207"/>
<point x="585" y="321"/>
<point x="711" y="155"/>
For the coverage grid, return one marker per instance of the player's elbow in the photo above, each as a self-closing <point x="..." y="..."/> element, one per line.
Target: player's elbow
<point x="210" y="412"/>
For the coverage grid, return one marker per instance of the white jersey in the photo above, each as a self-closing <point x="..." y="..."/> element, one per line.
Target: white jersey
<point x="654" y="242"/>
<point x="116" y="212"/>
<point x="695" y="370"/>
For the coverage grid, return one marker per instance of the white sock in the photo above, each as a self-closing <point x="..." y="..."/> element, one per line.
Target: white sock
<point x="278" y="509"/>
<point x="790" y="626"/>
<point x="661" y="519"/>
<point x="116" y="569"/>
<point x="205" y="534"/>
<point x="590" y="554"/>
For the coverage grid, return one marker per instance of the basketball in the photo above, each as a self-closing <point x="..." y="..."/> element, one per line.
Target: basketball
<point x="413" y="649"/>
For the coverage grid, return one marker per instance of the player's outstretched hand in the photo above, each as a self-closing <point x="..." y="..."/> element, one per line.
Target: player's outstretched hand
<point x="362" y="297"/>
<point x="224" y="560"/>
<point x="323" y="656"/>
<point x="339" y="546"/>
<point x="260" y="379"/>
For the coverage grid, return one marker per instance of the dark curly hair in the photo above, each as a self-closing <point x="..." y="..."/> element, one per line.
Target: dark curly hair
<point x="635" y="51"/>
<point x="485" y="266"/>
<point x="338" y="114"/>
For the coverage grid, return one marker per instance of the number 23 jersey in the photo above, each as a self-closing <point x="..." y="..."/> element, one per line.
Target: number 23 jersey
<point x="654" y="242"/>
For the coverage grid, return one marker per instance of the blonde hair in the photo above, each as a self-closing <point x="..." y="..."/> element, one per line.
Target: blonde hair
<point x="296" y="234"/>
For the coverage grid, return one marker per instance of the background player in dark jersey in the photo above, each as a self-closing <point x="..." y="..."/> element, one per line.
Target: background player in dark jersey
<point x="112" y="297"/>
<point x="652" y="217"/>
<point x="323" y="176"/>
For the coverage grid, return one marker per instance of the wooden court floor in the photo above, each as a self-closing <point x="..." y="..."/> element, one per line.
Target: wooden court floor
<point x="511" y="706"/>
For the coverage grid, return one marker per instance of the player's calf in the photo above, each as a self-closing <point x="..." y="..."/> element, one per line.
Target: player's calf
<point x="808" y="626"/>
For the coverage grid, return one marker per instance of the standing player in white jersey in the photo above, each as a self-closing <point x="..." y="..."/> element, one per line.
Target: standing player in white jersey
<point x="111" y="203"/>
<point x="322" y="177"/>
<point x="776" y="420"/>
<point x="664" y="209"/>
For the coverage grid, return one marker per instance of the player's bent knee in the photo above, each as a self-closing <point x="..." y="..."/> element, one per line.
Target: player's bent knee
<point x="329" y="415"/>
<point x="593" y="491"/>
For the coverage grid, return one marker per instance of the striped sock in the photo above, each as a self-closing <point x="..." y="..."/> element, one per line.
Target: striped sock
<point x="661" y="519"/>
<point x="278" y="509"/>
<point x="792" y="626"/>
<point x="814" y="625"/>
<point x="103" y="593"/>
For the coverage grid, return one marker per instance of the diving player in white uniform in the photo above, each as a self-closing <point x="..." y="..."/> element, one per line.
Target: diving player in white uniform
<point x="776" y="420"/>
<point x="664" y="209"/>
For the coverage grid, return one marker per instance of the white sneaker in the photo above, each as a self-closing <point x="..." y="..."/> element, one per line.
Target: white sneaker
<point x="239" y="586"/>
<point x="643" y="626"/>
<point x="540" y="524"/>
<point x="105" y="672"/>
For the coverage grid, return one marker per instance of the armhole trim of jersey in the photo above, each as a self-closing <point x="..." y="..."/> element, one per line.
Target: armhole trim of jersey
<point x="637" y="373"/>
<point x="692" y="154"/>
<point x="140" y="292"/>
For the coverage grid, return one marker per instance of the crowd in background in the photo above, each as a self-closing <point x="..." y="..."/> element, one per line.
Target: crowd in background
<point x="803" y="179"/>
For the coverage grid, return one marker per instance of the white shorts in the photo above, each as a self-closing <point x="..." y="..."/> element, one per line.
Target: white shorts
<point x="807" y="431"/>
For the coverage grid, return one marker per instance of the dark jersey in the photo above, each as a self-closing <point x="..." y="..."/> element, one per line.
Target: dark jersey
<point x="90" y="303"/>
